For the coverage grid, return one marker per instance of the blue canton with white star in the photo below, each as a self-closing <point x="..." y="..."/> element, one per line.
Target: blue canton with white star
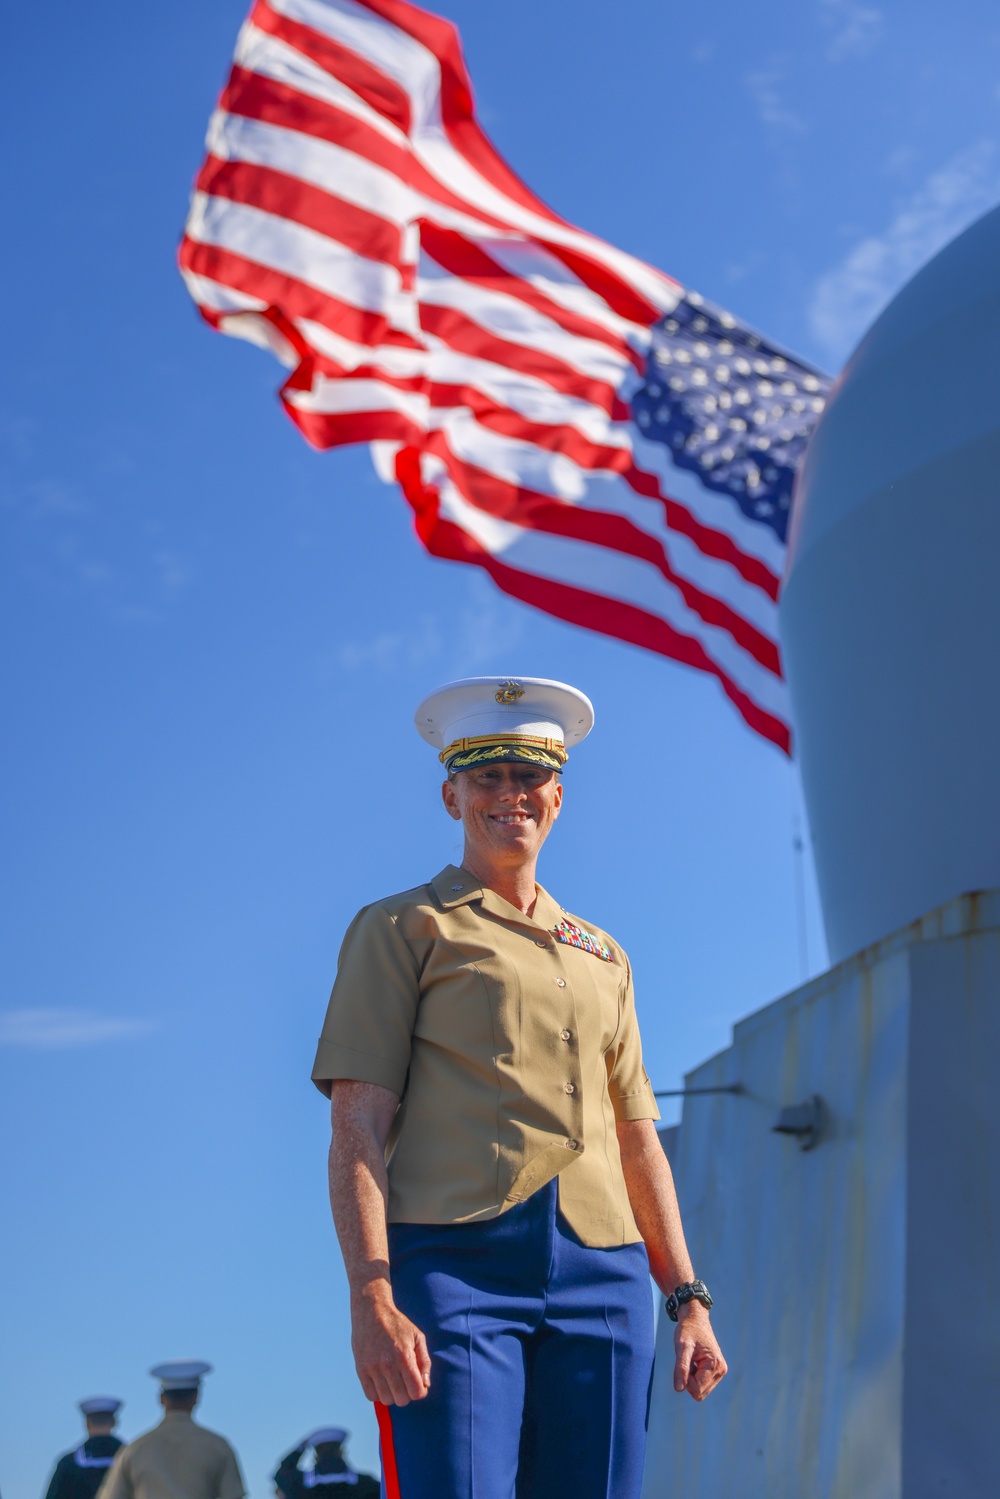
<point x="730" y="407"/>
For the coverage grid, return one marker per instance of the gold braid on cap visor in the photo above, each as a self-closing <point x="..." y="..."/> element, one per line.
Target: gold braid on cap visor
<point x="491" y="749"/>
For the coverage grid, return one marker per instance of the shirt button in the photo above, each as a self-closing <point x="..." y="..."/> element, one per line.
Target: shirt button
<point x="539" y="942"/>
<point x="572" y="1145"/>
<point x="566" y="1035"/>
<point x="569" y="1087"/>
<point x="561" y="983"/>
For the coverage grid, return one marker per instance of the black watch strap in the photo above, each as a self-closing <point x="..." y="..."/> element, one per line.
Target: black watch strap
<point x="691" y="1290"/>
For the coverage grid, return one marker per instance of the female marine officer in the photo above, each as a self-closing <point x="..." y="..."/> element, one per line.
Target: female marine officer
<point x="497" y="1185"/>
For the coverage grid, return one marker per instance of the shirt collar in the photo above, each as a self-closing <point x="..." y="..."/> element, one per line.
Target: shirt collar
<point x="457" y="887"/>
<point x="547" y="911"/>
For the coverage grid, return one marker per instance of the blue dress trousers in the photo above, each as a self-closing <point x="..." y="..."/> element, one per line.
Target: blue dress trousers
<point x="541" y="1359"/>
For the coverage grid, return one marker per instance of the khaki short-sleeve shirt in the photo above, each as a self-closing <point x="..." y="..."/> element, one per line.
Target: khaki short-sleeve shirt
<point x="514" y="1054"/>
<point x="176" y="1460"/>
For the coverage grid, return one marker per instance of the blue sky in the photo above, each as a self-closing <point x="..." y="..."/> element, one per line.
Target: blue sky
<point x="214" y="638"/>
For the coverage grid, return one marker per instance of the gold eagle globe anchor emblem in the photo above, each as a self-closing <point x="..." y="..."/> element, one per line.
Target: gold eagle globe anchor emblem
<point x="509" y="692"/>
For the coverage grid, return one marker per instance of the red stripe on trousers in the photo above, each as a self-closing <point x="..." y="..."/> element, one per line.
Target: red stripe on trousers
<point x="390" y="1475"/>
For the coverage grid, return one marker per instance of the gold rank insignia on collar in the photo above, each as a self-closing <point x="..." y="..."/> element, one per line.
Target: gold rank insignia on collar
<point x="577" y="936"/>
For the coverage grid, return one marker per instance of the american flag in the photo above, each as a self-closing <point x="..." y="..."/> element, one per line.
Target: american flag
<point x="608" y="446"/>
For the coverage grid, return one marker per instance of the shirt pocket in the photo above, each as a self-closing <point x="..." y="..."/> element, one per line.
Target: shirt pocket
<point x="455" y="1012"/>
<point x="598" y="987"/>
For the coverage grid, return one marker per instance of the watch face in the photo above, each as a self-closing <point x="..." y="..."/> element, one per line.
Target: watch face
<point x="692" y="1290"/>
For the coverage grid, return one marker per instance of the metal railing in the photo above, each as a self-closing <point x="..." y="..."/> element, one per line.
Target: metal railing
<point x="690" y="1092"/>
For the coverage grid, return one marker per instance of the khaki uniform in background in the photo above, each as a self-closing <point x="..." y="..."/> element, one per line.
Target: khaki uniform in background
<point x="176" y="1460"/>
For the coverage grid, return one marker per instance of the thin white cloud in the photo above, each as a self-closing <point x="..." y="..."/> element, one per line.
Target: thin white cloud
<point x="390" y="649"/>
<point x="70" y="537"/>
<point x="899" y="160"/>
<point x="46" y="498"/>
<point x="58" y="1029"/>
<point x="774" y="112"/>
<point x="489" y="627"/>
<point x="855" y="28"/>
<point x="847" y="299"/>
<point x="465" y="641"/>
<point x="173" y="571"/>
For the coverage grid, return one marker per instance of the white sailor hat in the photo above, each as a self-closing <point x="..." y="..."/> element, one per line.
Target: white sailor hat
<point x="181" y="1373"/>
<point x="326" y="1434"/>
<point x="483" y="720"/>
<point x="100" y="1405"/>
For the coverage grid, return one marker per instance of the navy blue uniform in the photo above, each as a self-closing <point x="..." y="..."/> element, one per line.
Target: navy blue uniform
<point x="79" y="1474"/>
<point x="330" y="1478"/>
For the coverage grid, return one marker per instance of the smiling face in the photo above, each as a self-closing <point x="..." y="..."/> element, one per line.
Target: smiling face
<point x="506" y="811"/>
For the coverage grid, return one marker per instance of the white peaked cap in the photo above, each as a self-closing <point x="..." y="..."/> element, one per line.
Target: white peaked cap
<point x="529" y="709"/>
<point x="181" y="1373"/>
<point x="100" y="1405"/>
<point x="326" y="1434"/>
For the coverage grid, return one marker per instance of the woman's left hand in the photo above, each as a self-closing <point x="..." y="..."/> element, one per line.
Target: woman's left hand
<point x="698" y="1363"/>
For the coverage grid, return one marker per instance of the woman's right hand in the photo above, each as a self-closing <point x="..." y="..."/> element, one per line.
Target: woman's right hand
<point x="390" y="1352"/>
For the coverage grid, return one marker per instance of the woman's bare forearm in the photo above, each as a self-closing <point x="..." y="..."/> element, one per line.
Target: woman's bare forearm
<point x="390" y="1353"/>
<point x="698" y="1360"/>
<point x="361" y="1115"/>
<point x="650" y="1184"/>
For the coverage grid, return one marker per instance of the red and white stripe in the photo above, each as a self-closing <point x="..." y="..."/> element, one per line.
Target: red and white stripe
<point x="351" y="216"/>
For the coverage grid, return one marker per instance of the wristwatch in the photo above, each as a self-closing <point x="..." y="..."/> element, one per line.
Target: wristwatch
<point x="691" y="1290"/>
